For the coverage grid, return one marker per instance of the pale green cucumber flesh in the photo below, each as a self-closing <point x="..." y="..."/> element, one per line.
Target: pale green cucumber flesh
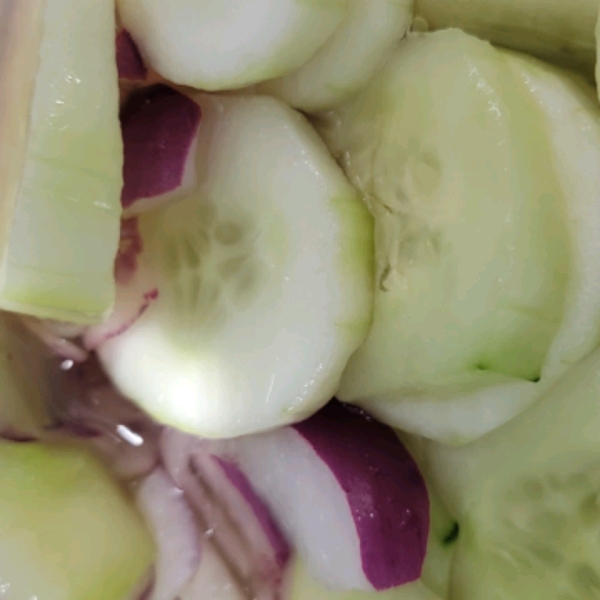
<point x="352" y="55"/>
<point x="597" y="69"/>
<point x="543" y="544"/>
<point x="25" y="364"/>
<point x="61" y="203"/>
<point x="444" y="529"/>
<point x="264" y="279"/>
<point x="557" y="31"/>
<point x="527" y="499"/>
<point x="304" y="587"/>
<point x="472" y="246"/>
<point x="470" y="281"/>
<point x="66" y="531"/>
<point x="228" y="45"/>
<point x="444" y="533"/>
<point x="477" y="164"/>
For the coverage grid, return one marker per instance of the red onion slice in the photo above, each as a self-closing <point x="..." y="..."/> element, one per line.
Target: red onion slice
<point x="236" y="520"/>
<point x="175" y="531"/>
<point x="213" y="580"/>
<point x="159" y="127"/>
<point x="130" y="64"/>
<point x="136" y="289"/>
<point x="346" y="492"/>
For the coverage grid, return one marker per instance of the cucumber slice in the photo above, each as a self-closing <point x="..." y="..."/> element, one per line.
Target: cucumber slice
<point x="60" y="158"/>
<point x="350" y="58"/>
<point x="526" y="497"/>
<point x="304" y="587"/>
<point x="66" y="531"/>
<point x="228" y="44"/>
<point x="555" y="30"/>
<point x="479" y="165"/>
<point x="263" y="279"/>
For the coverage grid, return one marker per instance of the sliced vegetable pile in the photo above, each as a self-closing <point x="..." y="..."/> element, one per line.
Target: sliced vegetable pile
<point x="300" y="300"/>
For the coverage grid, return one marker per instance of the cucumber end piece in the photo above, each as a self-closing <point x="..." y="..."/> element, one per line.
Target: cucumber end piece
<point x="61" y="159"/>
<point x="67" y="531"/>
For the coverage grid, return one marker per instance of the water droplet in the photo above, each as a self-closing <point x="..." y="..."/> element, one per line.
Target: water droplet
<point x="129" y="435"/>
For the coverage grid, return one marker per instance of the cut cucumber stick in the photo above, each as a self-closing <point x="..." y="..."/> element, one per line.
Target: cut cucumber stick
<point x="60" y="158"/>
<point x="262" y="278"/>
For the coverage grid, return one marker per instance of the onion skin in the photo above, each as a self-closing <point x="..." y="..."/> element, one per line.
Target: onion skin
<point x="130" y="64"/>
<point x="176" y="533"/>
<point x="159" y="127"/>
<point x="236" y="521"/>
<point x="346" y="493"/>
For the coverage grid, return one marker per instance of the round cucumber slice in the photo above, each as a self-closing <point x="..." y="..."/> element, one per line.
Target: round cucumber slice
<point x="67" y="531"/>
<point x="262" y="279"/>
<point x="527" y="498"/>
<point x="227" y="44"/>
<point x="479" y="167"/>
<point x="60" y="158"/>
<point x="349" y="59"/>
<point x="561" y="32"/>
